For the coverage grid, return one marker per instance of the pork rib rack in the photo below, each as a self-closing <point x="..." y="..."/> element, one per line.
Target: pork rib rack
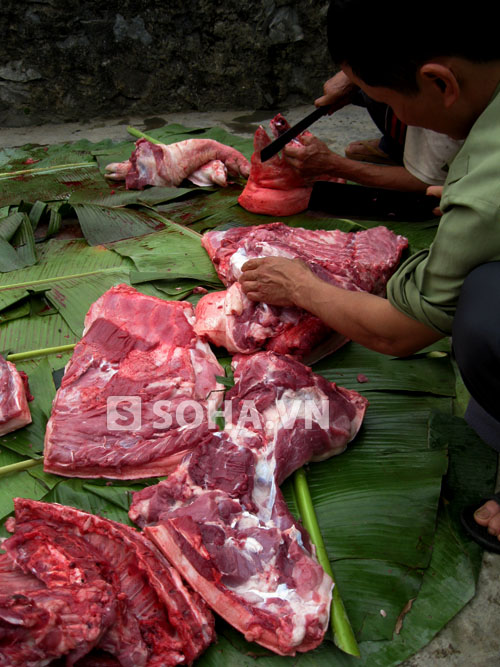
<point x="358" y="261"/>
<point x="118" y="411"/>
<point x="71" y="581"/>
<point x="221" y="517"/>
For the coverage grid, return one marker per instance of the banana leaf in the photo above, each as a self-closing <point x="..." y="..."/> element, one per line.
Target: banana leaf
<point x="175" y="250"/>
<point x="58" y="259"/>
<point x="421" y="372"/>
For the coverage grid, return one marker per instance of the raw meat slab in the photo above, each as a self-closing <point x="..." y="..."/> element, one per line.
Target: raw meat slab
<point x="138" y="362"/>
<point x="14" y="409"/>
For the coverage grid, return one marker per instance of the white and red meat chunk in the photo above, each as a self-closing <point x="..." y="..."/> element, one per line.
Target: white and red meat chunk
<point x="274" y="187"/>
<point x="14" y="397"/>
<point x="141" y="349"/>
<point x="358" y="261"/>
<point x="203" y="161"/>
<point x="221" y="517"/>
<point x="229" y="319"/>
<point x="73" y="581"/>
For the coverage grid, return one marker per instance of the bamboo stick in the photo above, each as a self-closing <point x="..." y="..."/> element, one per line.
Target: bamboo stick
<point x="22" y="465"/>
<point x="20" y="356"/>
<point x="43" y="281"/>
<point x="343" y="635"/>
<point x="39" y="170"/>
<point x="140" y="135"/>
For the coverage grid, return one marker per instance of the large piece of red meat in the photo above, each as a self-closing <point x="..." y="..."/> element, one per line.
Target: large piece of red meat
<point x="203" y="161"/>
<point x="72" y="581"/>
<point x="123" y="409"/>
<point x="358" y="261"/>
<point x="221" y="517"/>
<point x="274" y="187"/>
<point x="14" y="396"/>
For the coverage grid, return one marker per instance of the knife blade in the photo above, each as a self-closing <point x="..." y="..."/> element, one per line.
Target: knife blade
<point x="275" y="146"/>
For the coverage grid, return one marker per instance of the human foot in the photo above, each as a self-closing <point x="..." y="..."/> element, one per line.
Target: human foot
<point x="368" y="150"/>
<point x="482" y="523"/>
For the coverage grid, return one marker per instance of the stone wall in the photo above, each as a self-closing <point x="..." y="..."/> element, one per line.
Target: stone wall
<point x="70" y="60"/>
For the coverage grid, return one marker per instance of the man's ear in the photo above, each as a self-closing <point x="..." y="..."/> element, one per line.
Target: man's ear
<point x="440" y="79"/>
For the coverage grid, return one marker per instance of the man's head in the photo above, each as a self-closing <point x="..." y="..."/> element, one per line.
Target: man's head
<point x="385" y="42"/>
<point x="435" y="66"/>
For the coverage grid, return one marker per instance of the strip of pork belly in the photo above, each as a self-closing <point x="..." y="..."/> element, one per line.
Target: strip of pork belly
<point x="14" y="409"/>
<point x="158" y="620"/>
<point x="169" y="165"/>
<point x="221" y="517"/>
<point x="141" y="349"/>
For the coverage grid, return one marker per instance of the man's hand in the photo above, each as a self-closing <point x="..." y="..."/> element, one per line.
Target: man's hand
<point x="274" y="280"/>
<point x="313" y="159"/>
<point x="435" y="191"/>
<point x="338" y="92"/>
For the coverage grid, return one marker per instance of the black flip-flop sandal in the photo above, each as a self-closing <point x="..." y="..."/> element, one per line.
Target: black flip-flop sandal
<point x="478" y="533"/>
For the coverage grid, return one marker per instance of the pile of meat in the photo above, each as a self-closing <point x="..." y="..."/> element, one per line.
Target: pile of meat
<point x="14" y="398"/>
<point x="202" y="161"/>
<point x="358" y="261"/>
<point x="137" y="400"/>
<point x="128" y="403"/>
<point x="220" y="516"/>
<point x="71" y="582"/>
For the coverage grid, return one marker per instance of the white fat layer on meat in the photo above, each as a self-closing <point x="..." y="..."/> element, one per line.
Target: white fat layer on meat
<point x="238" y="259"/>
<point x="264" y="491"/>
<point x="308" y="403"/>
<point x="244" y="521"/>
<point x="259" y="591"/>
<point x="252" y="545"/>
<point x="189" y="315"/>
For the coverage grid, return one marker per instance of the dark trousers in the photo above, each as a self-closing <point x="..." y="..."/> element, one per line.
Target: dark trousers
<point x="476" y="346"/>
<point x="393" y="130"/>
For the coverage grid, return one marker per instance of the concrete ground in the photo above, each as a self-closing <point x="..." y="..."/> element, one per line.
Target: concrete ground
<point x="472" y="638"/>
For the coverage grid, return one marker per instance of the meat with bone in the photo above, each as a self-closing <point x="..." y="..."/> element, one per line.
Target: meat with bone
<point x="204" y="161"/>
<point x="76" y="581"/>
<point x="229" y="319"/>
<point x="221" y="517"/>
<point x="14" y="396"/>
<point x="274" y="187"/>
<point x="358" y="261"/>
<point x="130" y="398"/>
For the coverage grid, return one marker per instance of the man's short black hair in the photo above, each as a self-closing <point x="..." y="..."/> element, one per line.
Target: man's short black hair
<point x="384" y="42"/>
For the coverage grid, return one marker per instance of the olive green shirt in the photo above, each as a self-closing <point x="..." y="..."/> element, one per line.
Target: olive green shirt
<point x="427" y="285"/>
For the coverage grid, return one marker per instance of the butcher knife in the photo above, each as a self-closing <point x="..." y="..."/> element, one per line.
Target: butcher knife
<point x="275" y="146"/>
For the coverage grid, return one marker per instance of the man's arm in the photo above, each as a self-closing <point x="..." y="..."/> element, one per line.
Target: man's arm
<point x="365" y="318"/>
<point x="315" y="161"/>
<point x="338" y="92"/>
